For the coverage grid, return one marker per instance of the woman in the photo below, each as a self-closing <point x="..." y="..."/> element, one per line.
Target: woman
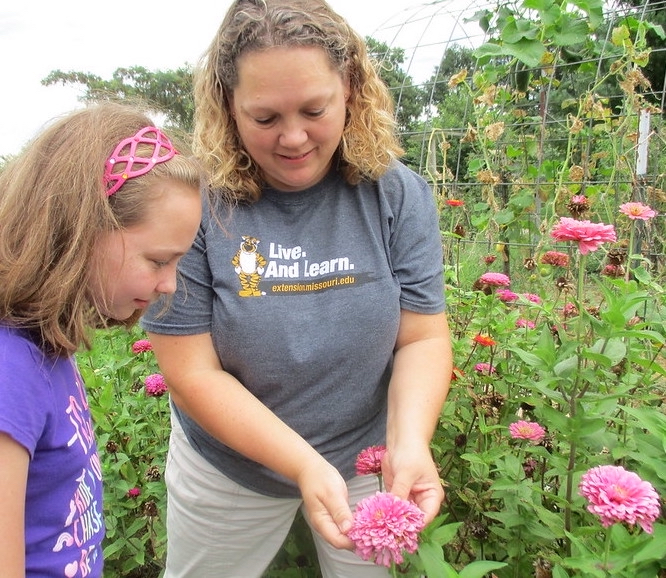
<point x="310" y="323"/>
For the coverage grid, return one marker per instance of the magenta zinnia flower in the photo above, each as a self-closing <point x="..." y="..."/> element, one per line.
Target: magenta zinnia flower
<point x="155" y="385"/>
<point x="385" y="526"/>
<point x="588" y="235"/>
<point x="484" y="368"/>
<point x="506" y="295"/>
<point x="369" y="460"/>
<point x="617" y="495"/>
<point x="141" y="346"/>
<point x="638" y="211"/>
<point x="527" y="430"/>
<point x="495" y="279"/>
<point x="133" y="492"/>
<point x="533" y="298"/>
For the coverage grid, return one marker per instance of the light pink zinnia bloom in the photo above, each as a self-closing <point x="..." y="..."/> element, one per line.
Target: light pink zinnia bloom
<point x="527" y="430"/>
<point x="495" y="279"/>
<point x="369" y="461"/>
<point x="484" y="368"/>
<point x="588" y="235"/>
<point x="638" y="211"/>
<point x="532" y="298"/>
<point x="384" y="526"/>
<point x="506" y="295"/>
<point x="617" y="495"/>
<point x="141" y="346"/>
<point x="155" y="385"/>
<point x="525" y="324"/>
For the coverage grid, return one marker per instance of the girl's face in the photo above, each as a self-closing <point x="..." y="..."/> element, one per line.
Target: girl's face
<point x="133" y="267"/>
<point x="290" y="108"/>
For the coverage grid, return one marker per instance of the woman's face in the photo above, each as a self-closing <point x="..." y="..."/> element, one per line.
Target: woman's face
<point x="133" y="267"/>
<point x="290" y="108"/>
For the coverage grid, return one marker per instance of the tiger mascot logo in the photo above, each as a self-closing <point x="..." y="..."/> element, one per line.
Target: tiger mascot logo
<point x="249" y="265"/>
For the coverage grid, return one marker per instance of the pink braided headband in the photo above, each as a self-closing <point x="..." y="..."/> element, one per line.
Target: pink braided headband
<point x="136" y="166"/>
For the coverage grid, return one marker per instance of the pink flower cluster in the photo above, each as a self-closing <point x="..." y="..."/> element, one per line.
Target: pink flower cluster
<point x="588" y="235"/>
<point x="155" y="385"/>
<point x="527" y="430"/>
<point x="369" y="461"/>
<point x="617" y="495"/>
<point x="522" y="323"/>
<point x="385" y="526"/>
<point x="495" y="279"/>
<point x="141" y="346"/>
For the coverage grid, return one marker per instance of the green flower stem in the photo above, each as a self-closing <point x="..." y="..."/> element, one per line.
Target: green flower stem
<point x="630" y="250"/>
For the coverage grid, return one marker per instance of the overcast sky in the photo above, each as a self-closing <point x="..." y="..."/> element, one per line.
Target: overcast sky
<point x="38" y="36"/>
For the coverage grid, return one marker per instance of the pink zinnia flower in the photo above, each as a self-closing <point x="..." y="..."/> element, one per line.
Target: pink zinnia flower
<point x="638" y="211"/>
<point x="155" y="385"/>
<point x="555" y="258"/>
<point x="588" y="235"/>
<point x="532" y="298"/>
<point x="569" y="310"/>
<point x="369" y="460"/>
<point x="525" y="324"/>
<point x="384" y="526"/>
<point x="506" y="295"/>
<point x="495" y="279"/>
<point x="527" y="430"/>
<point x="617" y="495"/>
<point x="141" y="346"/>
<point x="484" y="368"/>
<point x="133" y="492"/>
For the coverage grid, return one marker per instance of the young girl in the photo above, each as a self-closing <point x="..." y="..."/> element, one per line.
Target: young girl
<point x="95" y="213"/>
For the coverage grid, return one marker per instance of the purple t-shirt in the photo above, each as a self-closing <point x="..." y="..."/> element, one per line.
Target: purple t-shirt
<point x="43" y="406"/>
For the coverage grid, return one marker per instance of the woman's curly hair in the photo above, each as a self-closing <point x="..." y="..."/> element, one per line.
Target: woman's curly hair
<point x="369" y="141"/>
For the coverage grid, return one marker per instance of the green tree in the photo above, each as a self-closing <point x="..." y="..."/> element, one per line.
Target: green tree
<point x="169" y="92"/>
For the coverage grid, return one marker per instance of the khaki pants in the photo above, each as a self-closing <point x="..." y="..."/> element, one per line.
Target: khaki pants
<point x="218" y="529"/>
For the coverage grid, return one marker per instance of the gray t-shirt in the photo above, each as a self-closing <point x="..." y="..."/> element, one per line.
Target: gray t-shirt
<point x="302" y="292"/>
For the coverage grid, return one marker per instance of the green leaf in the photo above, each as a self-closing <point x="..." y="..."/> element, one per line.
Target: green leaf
<point x="480" y="568"/>
<point x="432" y="557"/>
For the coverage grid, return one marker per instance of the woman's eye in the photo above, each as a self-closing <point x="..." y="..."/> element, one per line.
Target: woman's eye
<point x="315" y="113"/>
<point x="264" y="121"/>
<point x="159" y="263"/>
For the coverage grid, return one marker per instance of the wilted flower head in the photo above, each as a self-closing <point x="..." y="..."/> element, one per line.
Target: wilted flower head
<point x="617" y="495"/>
<point x="155" y="385"/>
<point x="555" y="258"/>
<point x="369" y="460"/>
<point x="578" y="205"/>
<point x="495" y="279"/>
<point x="527" y="430"/>
<point x="588" y="235"/>
<point x="489" y="259"/>
<point x="611" y="270"/>
<point x="638" y="211"/>
<point x="384" y="526"/>
<point x="141" y="346"/>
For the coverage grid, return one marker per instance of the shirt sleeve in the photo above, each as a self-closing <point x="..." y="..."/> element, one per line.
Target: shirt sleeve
<point x="414" y="239"/>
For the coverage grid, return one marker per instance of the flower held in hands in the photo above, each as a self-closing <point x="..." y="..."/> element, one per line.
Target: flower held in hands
<point x="384" y="527"/>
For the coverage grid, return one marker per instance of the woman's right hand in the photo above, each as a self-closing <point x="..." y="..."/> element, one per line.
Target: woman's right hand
<point x="326" y="500"/>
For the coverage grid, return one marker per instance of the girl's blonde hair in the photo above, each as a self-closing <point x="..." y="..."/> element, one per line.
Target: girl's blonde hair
<point x="369" y="141"/>
<point x="53" y="209"/>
